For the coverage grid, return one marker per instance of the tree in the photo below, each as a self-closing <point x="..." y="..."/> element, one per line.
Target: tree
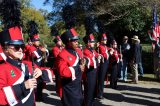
<point x="28" y="12"/>
<point x="25" y="3"/>
<point x="119" y="16"/>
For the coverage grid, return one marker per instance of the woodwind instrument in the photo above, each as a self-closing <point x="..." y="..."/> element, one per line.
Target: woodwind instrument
<point x="120" y="49"/>
<point x="44" y="57"/>
<point x="33" y="67"/>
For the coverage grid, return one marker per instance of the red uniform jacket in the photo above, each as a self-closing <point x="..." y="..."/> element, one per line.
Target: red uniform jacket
<point x="103" y="50"/>
<point x="12" y="88"/>
<point x="91" y="56"/>
<point x="80" y="53"/>
<point x="2" y="55"/>
<point x="56" y="50"/>
<point x="26" y="52"/>
<point x="35" y="52"/>
<point x="115" y="57"/>
<point x="37" y="55"/>
<point x="67" y="64"/>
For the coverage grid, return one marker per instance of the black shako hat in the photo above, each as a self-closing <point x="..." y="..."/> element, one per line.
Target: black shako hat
<point x="33" y="31"/>
<point x="69" y="36"/>
<point x="12" y="33"/>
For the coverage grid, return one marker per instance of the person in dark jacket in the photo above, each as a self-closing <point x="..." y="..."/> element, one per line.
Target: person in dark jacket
<point x="125" y="53"/>
<point x="135" y="58"/>
<point x="140" y="66"/>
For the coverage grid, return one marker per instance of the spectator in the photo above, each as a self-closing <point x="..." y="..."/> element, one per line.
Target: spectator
<point x="135" y="58"/>
<point x="140" y="67"/>
<point x="125" y="53"/>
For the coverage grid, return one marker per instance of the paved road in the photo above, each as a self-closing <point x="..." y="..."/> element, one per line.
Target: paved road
<point x="127" y="94"/>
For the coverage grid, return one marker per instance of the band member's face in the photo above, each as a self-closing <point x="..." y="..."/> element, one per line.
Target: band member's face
<point x="74" y="44"/>
<point x="114" y="45"/>
<point x="97" y="44"/>
<point x="92" y="44"/>
<point x="30" y="43"/>
<point x="59" y="43"/>
<point x="36" y="43"/>
<point x="15" y="52"/>
<point x="104" y="42"/>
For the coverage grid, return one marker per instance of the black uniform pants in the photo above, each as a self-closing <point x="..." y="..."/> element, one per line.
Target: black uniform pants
<point x="90" y="86"/>
<point x="101" y="77"/>
<point x="114" y="76"/>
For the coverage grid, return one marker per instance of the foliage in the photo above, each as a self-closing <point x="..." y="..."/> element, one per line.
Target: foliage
<point x="29" y="13"/>
<point x="121" y="17"/>
<point x="32" y="14"/>
<point x="147" y="62"/>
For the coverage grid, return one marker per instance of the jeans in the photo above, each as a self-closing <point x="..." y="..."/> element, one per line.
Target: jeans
<point x="123" y="70"/>
<point x="140" y="68"/>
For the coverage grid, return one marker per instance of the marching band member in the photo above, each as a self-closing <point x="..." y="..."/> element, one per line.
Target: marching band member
<point x="91" y="70"/>
<point x="35" y="53"/>
<point x="56" y="50"/>
<point x="104" y="52"/>
<point x="70" y="70"/>
<point x="115" y="58"/>
<point x="69" y="62"/>
<point x="17" y="78"/>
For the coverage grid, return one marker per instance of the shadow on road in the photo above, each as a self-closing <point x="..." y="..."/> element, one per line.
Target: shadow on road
<point x="121" y="98"/>
<point x="139" y="89"/>
<point x="139" y="95"/>
<point x="114" y="97"/>
<point x="51" y="101"/>
<point x="98" y="103"/>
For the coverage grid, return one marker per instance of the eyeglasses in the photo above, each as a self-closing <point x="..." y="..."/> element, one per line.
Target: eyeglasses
<point x="17" y="47"/>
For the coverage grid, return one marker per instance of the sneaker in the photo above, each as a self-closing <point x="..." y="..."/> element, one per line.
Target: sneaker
<point x="120" y="79"/>
<point x="125" y="80"/>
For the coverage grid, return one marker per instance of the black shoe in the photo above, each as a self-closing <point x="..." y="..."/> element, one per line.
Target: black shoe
<point x="100" y="97"/>
<point x="116" y="87"/>
<point x="39" y="99"/>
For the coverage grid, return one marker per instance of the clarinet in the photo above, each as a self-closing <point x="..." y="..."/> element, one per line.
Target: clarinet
<point x="121" y="53"/>
<point x="33" y="68"/>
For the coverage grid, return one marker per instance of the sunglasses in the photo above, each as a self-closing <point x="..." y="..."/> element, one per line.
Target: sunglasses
<point x="17" y="47"/>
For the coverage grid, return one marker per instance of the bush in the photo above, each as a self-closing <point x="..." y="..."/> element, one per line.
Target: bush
<point x="147" y="58"/>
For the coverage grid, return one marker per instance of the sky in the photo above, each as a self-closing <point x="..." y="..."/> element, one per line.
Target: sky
<point x="39" y="4"/>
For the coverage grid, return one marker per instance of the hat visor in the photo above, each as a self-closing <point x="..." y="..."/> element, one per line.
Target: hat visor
<point x="92" y="41"/>
<point x="74" y="38"/>
<point x="33" y="40"/>
<point x="104" y="39"/>
<point x="15" y="42"/>
<point x="56" y="40"/>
